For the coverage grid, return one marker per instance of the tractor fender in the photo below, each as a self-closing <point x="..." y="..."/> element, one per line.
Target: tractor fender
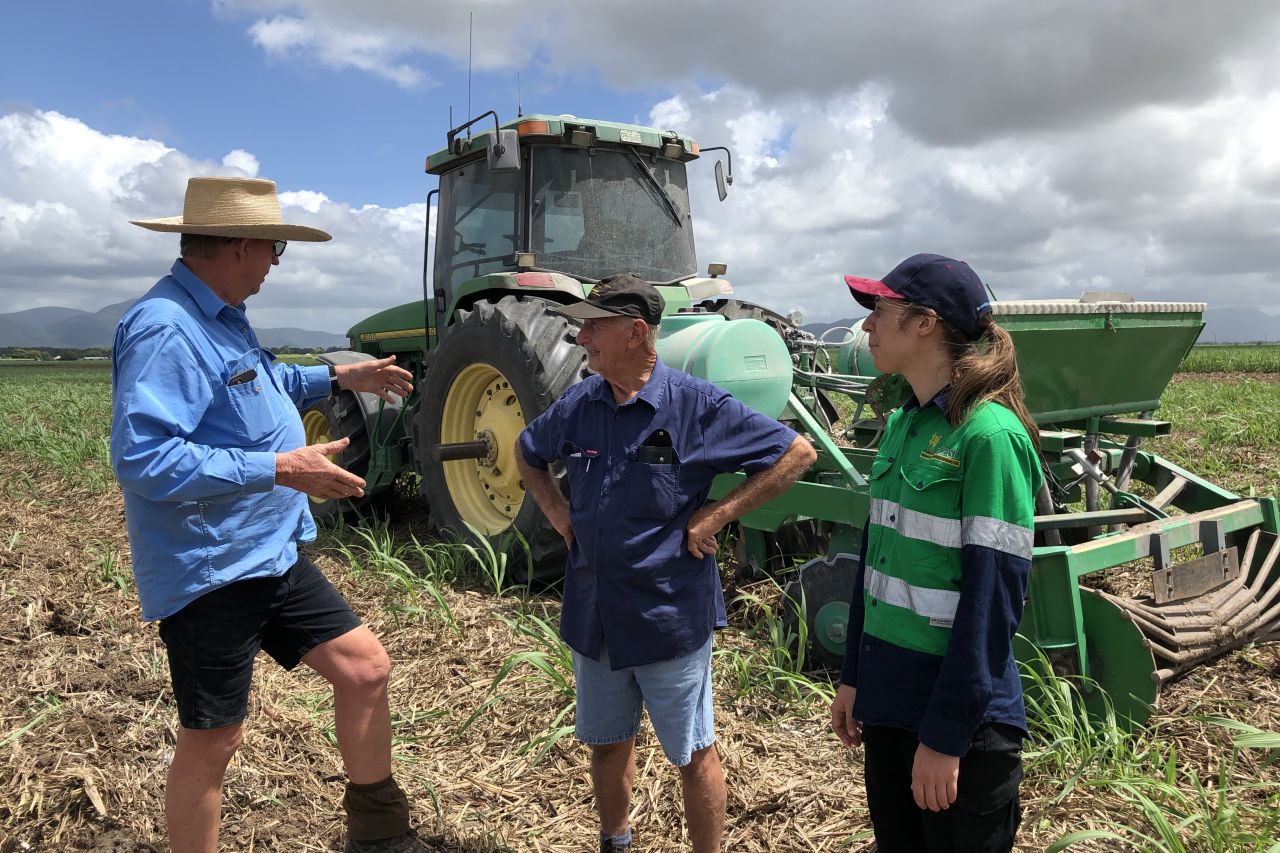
<point x="369" y="403"/>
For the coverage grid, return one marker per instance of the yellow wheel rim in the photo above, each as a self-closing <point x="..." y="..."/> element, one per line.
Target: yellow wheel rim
<point x="481" y="404"/>
<point x="316" y="427"/>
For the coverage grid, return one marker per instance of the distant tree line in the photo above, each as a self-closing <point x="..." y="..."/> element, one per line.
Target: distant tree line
<point x="74" y="354"/>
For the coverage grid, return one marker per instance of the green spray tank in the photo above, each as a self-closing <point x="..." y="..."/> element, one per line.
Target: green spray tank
<point x="744" y="357"/>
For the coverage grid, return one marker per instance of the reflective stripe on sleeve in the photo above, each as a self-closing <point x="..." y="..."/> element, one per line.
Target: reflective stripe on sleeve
<point x="937" y="604"/>
<point x="998" y="535"/>
<point x="914" y="524"/>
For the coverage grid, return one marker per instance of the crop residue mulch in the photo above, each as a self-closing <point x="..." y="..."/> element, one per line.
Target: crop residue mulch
<point x="87" y="723"/>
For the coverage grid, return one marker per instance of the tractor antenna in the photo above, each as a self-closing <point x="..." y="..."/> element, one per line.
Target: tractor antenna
<point x="519" y="106"/>
<point x="471" y="23"/>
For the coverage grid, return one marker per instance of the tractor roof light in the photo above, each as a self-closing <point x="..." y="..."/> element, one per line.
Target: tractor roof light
<point x="533" y="128"/>
<point x="582" y="138"/>
<point x="714" y="270"/>
<point x="526" y="260"/>
<point x="672" y="149"/>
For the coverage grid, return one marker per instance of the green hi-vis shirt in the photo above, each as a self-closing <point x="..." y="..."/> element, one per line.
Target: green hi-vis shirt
<point x="948" y="555"/>
<point x="935" y="488"/>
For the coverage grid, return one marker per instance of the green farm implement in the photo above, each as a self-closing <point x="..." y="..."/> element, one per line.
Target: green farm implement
<point x="1141" y="569"/>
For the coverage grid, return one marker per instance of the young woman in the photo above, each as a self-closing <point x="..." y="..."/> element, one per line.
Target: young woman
<point x="929" y="686"/>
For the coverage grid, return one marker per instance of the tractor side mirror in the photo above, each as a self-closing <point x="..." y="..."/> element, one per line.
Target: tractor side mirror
<point x="503" y="149"/>
<point x="724" y="179"/>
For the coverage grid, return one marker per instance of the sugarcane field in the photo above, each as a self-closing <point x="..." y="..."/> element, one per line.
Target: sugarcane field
<point x="481" y="685"/>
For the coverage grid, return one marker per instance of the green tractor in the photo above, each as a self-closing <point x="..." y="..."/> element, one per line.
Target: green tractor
<point x="1141" y="569"/>
<point x="530" y="213"/>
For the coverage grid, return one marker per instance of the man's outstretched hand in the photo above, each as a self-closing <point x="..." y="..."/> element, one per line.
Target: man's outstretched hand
<point x="379" y="376"/>
<point x="311" y="470"/>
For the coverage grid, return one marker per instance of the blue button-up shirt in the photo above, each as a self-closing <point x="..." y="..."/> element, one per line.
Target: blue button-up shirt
<point x="195" y="456"/>
<point x="631" y="585"/>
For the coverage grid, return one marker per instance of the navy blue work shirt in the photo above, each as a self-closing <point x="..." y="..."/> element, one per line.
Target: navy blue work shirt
<point x="631" y="585"/>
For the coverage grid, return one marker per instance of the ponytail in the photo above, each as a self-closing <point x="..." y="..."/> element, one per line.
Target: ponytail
<point x="986" y="370"/>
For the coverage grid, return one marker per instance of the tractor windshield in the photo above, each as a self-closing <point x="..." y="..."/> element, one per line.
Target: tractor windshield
<point x="596" y="212"/>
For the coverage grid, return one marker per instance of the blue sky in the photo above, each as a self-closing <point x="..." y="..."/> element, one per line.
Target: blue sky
<point x="188" y="74"/>
<point x="1057" y="146"/>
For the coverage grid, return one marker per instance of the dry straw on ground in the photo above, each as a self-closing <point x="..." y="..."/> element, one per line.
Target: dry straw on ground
<point x="87" y="724"/>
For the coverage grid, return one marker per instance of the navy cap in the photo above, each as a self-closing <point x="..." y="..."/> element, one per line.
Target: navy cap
<point x="950" y="287"/>
<point x="623" y="295"/>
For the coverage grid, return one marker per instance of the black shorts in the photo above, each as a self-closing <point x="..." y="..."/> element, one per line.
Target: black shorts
<point x="213" y="640"/>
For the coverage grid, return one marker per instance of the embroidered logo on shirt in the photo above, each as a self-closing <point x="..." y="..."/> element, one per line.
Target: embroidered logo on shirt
<point x="945" y="455"/>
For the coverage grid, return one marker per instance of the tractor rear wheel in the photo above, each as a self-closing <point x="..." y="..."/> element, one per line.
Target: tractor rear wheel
<point x="501" y="365"/>
<point x="329" y="420"/>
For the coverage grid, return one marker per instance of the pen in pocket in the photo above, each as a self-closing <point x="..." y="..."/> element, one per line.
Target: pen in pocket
<point x="587" y="454"/>
<point x="240" y="378"/>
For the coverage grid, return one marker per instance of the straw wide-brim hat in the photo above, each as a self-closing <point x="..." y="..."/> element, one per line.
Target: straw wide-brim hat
<point x="233" y="207"/>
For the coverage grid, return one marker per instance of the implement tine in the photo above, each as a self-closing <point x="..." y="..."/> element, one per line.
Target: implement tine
<point x="1243" y="610"/>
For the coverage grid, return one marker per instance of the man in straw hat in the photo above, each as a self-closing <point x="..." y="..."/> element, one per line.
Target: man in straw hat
<point x="210" y="453"/>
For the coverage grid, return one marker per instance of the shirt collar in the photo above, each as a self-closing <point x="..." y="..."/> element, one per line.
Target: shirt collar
<point x="654" y="391"/>
<point x="210" y="303"/>
<point x="942" y="399"/>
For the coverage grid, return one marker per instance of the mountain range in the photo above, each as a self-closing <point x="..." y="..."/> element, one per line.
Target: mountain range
<point x="1222" y="326"/>
<point x="73" y="328"/>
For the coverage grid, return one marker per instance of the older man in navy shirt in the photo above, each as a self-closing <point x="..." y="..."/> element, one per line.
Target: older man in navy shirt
<point x="641" y="443"/>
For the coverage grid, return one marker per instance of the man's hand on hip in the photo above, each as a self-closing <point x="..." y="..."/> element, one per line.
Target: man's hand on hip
<point x="702" y="529"/>
<point x="309" y="470"/>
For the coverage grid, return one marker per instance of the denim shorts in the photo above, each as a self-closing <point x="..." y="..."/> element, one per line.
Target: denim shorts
<point x="676" y="692"/>
<point x="213" y="640"/>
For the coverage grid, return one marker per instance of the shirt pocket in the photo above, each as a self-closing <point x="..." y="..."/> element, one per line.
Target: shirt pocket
<point x="577" y="470"/>
<point x="652" y="491"/>
<point x="929" y="513"/>
<point x="254" y="418"/>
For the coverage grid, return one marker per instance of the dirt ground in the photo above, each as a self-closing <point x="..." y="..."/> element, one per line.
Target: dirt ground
<point x="87" y="724"/>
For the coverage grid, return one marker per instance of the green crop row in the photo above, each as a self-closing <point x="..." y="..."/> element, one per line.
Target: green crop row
<point x="57" y="420"/>
<point x="1239" y="358"/>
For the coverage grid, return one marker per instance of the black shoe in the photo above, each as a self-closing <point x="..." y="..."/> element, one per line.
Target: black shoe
<point x="407" y="843"/>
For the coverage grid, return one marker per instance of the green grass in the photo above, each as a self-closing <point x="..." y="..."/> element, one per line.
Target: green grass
<point x="1165" y="805"/>
<point x="57" y="419"/>
<point x="1233" y="358"/>
<point x="1226" y="430"/>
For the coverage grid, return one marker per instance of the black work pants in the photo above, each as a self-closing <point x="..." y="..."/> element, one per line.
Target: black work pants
<point x="983" y="819"/>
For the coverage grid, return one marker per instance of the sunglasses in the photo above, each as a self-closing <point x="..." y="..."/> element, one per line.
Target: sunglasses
<point x="278" y="247"/>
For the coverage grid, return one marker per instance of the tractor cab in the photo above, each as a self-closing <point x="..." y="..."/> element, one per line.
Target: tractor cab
<point x="552" y="204"/>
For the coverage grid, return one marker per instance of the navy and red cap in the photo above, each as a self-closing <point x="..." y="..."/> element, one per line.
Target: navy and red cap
<point x="950" y="287"/>
<point x="622" y="295"/>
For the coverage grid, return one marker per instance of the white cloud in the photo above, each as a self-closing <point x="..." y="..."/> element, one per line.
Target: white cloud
<point x="242" y="162"/>
<point x="337" y="47"/>
<point x="67" y="193"/>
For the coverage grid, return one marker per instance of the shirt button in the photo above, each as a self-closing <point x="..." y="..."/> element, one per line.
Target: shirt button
<point x="882" y="561"/>
<point x="893" y="518"/>
<point x="867" y="647"/>
<point x="874" y="602"/>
